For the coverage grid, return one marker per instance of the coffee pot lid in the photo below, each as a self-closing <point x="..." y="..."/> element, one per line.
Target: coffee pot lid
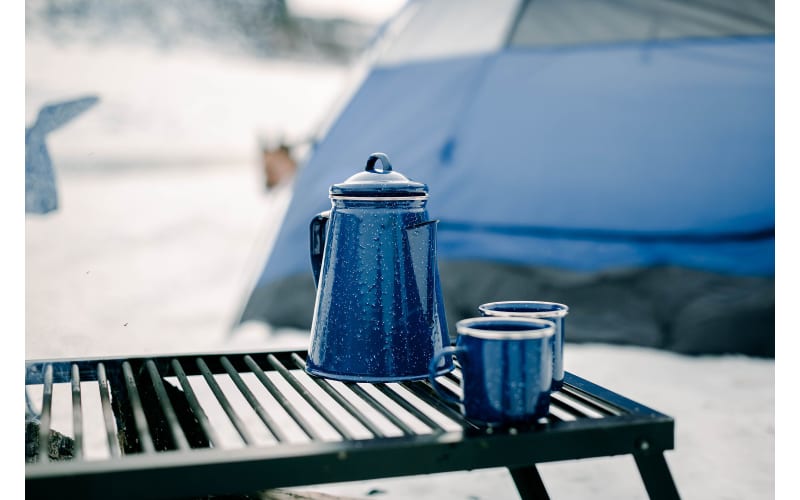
<point x="383" y="183"/>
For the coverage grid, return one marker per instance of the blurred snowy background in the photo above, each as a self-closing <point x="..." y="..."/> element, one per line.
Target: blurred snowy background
<point x="186" y="82"/>
<point x="163" y="221"/>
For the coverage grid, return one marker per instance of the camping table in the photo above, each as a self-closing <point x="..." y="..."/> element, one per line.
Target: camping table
<point x="163" y="442"/>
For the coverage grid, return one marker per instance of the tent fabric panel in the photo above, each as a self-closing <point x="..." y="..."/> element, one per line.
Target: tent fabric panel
<point x="596" y="147"/>
<point x="405" y="112"/>
<point x="677" y="138"/>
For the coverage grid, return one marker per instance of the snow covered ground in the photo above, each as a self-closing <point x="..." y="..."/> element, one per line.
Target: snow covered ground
<point x="159" y="259"/>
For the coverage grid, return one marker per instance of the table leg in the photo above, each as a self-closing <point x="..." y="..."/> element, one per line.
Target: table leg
<point x="529" y="483"/>
<point x="656" y="476"/>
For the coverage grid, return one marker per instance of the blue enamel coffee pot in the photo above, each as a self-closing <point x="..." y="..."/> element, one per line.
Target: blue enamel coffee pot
<point x="379" y="314"/>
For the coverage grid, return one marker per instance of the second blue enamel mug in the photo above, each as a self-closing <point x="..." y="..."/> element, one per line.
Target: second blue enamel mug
<point x="553" y="311"/>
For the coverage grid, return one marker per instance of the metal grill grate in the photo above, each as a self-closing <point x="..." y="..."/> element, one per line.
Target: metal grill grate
<point x="134" y="414"/>
<point x="138" y="403"/>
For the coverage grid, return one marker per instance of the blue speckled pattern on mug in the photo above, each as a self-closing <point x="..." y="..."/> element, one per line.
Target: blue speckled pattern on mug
<point x="505" y="380"/>
<point x="553" y="311"/>
<point x="378" y="315"/>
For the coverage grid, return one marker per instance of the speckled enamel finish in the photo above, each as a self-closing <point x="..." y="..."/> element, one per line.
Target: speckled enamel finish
<point x="379" y="315"/>
<point x="505" y="380"/>
<point x="537" y="309"/>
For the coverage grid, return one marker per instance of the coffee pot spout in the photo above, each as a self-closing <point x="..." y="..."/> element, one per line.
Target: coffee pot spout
<point x="422" y="249"/>
<point x="422" y="234"/>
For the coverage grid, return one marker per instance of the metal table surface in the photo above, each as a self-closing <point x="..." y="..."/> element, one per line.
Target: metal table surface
<point x="208" y="424"/>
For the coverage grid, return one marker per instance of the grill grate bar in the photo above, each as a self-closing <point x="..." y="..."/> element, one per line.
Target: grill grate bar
<point x="347" y="405"/>
<point x="576" y="406"/>
<point x="310" y="399"/>
<point x="394" y="419"/>
<point x="326" y="386"/>
<point x="108" y="414"/>
<point x="564" y="410"/>
<point x="591" y="401"/>
<point x="194" y="404"/>
<point x="427" y="394"/>
<point x="178" y="437"/>
<point x="273" y="427"/>
<point x="413" y="410"/>
<point x="44" y="422"/>
<point x="77" y="415"/>
<point x="223" y="401"/>
<point x="557" y="414"/>
<point x="146" y="442"/>
<point x="282" y="400"/>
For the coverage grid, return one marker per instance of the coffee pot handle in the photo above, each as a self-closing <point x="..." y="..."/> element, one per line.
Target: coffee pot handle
<point x="433" y="369"/>
<point x="318" y="229"/>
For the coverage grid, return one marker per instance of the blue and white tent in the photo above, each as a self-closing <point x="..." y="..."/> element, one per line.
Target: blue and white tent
<point x="590" y="140"/>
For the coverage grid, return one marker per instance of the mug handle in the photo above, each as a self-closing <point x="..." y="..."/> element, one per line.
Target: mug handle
<point x="449" y="350"/>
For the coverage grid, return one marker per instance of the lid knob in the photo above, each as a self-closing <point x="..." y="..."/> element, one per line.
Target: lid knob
<point x="381" y="182"/>
<point x="386" y="165"/>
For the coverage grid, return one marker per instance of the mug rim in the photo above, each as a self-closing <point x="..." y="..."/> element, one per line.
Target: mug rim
<point x="549" y="329"/>
<point x="561" y="311"/>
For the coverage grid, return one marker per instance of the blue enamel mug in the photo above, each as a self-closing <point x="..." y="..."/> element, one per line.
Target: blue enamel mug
<point x="553" y="311"/>
<point x="506" y="369"/>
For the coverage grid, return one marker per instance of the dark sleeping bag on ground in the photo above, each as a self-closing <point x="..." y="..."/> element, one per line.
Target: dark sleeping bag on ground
<point x="673" y="308"/>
